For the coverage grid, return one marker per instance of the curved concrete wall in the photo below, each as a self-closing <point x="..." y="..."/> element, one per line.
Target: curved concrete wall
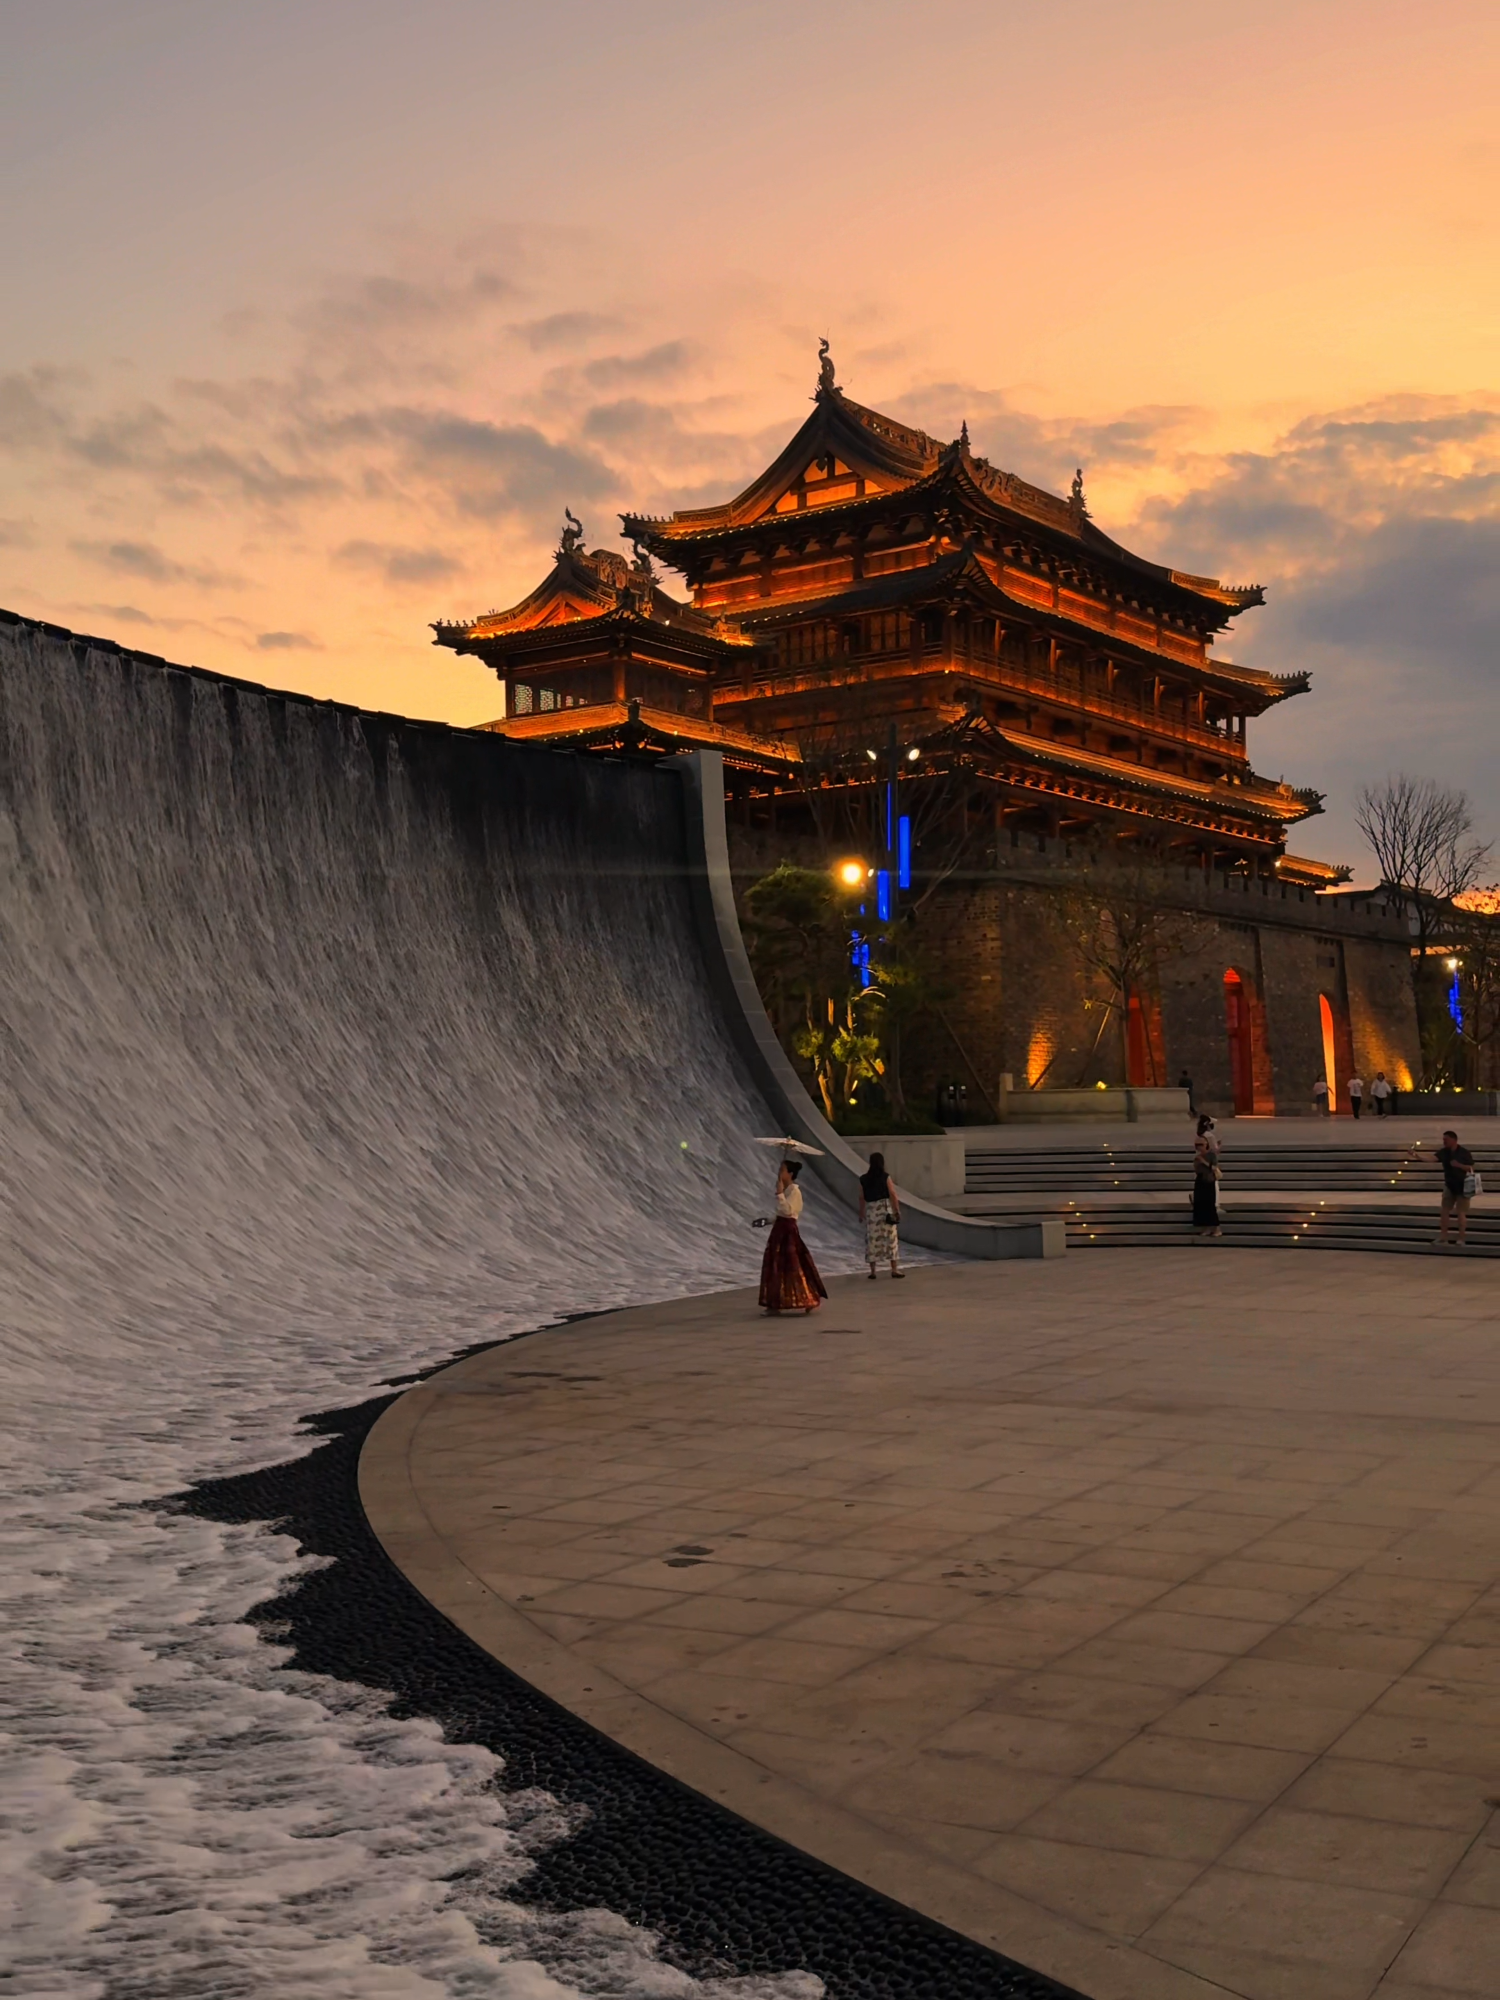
<point x="838" y="1165"/>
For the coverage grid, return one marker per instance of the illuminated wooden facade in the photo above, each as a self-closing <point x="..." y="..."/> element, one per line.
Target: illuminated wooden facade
<point x="876" y="586"/>
<point x="599" y="657"/>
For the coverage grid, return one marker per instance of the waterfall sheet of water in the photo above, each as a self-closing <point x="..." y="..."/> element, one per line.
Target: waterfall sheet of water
<point x="332" y="1045"/>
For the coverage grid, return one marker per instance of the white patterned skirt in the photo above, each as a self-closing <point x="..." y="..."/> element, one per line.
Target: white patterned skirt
<point x="880" y="1233"/>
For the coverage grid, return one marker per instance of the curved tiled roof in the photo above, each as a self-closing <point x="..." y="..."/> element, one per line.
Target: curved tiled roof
<point x="580" y="588"/>
<point x="892" y="457"/>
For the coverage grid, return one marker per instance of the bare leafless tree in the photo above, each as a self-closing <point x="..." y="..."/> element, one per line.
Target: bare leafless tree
<point x="1422" y="836"/>
<point x="1123" y="925"/>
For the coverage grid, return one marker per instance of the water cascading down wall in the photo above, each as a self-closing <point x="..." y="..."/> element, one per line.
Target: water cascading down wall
<point x="333" y="1044"/>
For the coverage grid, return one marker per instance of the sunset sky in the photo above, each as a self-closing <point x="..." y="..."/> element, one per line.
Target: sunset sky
<point x="316" y="315"/>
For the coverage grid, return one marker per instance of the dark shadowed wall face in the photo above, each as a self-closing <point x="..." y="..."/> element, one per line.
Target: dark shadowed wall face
<point x="327" y="313"/>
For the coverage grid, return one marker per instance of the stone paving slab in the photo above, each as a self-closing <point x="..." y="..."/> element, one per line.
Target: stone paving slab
<point x="1141" y="1621"/>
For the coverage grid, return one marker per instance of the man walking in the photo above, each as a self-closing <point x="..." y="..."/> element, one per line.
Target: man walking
<point x="1380" y="1091"/>
<point x="1457" y="1163"/>
<point x="1356" y="1094"/>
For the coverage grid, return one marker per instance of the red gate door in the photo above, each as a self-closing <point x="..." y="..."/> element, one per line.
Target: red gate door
<point x="1140" y="1070"/>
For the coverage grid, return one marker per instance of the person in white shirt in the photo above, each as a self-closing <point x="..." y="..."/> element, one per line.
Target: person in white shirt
<point x="1320" y="1097"/>
<point x="789" y="1280"/>
<point x="1380" y="1091"/>
<point x="1356" y="1094"/>
<point x="1206" y="1216"/>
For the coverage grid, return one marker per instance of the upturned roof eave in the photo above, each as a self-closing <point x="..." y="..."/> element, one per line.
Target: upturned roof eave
<point x="567" y="575"/>
<point x="1283" y="808"/>
<point x="600" y="721"/>
<point x="1232" y="598"/>
<point x="652" y="533"/>
<point x="610" y="623"/>
<point x="956" y="468"/>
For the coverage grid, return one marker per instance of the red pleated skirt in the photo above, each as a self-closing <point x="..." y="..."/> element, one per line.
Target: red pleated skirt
<point x="789" y="1280"/>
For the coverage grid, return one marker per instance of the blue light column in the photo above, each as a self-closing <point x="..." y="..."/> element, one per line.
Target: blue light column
<point x="903" y="852"/>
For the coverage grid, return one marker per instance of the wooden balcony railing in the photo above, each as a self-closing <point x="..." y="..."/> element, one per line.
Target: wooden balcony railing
<point x="1064" y="687"/>
<point x="1068" y="688"/>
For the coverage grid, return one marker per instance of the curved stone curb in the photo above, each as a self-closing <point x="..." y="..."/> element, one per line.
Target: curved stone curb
<point x="979" y="1909"/>
<point x="838" y="1165"/>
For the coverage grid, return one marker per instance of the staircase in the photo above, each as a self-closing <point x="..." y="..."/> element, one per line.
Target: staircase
<point x="1311" y="1195"/>
<point x="1283" y="1225"/>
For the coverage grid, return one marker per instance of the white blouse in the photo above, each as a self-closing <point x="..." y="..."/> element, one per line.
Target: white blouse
<point x="789" y="1201"/>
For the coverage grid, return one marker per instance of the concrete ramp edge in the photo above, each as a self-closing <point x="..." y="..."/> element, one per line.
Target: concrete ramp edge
<point x="838" y="1166"/>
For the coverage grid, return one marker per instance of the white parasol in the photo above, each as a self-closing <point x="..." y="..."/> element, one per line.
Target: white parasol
<point x="792" y="1146"/>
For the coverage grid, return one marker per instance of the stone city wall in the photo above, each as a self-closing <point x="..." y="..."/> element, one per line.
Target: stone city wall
<point x="1016" y="999"/>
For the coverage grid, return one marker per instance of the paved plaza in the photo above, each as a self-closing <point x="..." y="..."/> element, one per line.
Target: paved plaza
<point x="1137" y="1615"/>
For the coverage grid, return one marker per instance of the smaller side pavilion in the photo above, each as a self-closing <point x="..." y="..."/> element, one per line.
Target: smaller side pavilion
<point x="599" y="657"/>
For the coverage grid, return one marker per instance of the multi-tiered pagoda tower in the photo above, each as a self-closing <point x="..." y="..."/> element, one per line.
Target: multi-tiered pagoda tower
<point x="911" y="659"/>
<point x="875" y="586"/>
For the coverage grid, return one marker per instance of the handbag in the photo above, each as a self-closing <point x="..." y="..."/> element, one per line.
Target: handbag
<point x="1473" y="1184"/>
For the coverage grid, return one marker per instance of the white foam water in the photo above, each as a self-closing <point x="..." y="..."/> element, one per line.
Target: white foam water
<point x="331" y="1046"/>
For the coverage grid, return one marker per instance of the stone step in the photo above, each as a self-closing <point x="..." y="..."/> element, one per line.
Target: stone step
<point x="1252" y="1226"/>
<point x="1266" y="1169"/>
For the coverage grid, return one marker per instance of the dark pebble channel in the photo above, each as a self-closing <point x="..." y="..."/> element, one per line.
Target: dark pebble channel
<point x="722" y="1897"/>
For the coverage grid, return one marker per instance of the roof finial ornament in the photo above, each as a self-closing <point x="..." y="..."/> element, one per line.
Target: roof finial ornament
<point x="826" y="384"/>
<point x="1077" y="494"/>
<point x="572" y="533"/>
<point x="963" y="434"/>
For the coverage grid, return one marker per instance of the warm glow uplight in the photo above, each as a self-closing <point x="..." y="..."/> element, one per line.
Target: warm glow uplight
<point x="1039" y="1054"/>
<point x="852" y="874"/>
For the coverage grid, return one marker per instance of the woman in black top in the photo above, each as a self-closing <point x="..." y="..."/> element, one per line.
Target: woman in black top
<point x="880" y="1212"/>
<point x="1457" y="1163"/>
